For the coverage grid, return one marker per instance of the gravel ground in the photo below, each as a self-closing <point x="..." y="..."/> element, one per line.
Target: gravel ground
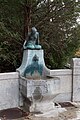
<point x="71" y="113"/>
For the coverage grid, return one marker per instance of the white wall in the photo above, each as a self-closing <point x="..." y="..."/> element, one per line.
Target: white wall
<point x="9" y="90"/>
<point x="76" y="79"/>
<point x="9" y="87"/>
<point x="69" y="86"/>
<point x="65" y="90"/>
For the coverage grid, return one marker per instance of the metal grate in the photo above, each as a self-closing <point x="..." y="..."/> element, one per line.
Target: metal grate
<point x="66" y="104"/>
<point x="12" y="113"/>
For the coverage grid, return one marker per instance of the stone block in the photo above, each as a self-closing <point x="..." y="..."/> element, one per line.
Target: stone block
<point x="76" y="79"/>
<point x="9" y="90"/>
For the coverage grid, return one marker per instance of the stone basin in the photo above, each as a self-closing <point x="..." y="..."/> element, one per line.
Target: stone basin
<point x="40" y="92"/>
<point x="38" y="89"/>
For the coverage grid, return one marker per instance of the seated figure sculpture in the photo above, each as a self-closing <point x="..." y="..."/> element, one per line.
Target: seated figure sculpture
<point x="32" y="42"/>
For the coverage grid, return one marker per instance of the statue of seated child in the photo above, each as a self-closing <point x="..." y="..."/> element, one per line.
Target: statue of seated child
<point x="32" y="42"/>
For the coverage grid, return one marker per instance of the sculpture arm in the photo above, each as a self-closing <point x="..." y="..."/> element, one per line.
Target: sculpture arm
<point x="26" y="41"/>
<point x="24" y="45"/>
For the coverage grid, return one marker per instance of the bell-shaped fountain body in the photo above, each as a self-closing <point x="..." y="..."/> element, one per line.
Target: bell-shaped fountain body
<point x="33" y="65"/>
<point x="35" y="82"/>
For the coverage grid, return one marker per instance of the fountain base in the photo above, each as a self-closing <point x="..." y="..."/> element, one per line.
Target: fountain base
<point x="38" y="95"/>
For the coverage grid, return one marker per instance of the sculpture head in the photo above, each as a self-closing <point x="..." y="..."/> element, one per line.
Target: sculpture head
<point x="33" y="30"/>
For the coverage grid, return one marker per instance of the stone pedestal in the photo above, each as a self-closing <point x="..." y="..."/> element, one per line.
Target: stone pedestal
<point x="33" y="65"/>
<point x="76" y="79"/>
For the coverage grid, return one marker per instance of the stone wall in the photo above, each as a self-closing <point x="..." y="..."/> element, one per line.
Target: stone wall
<point x="76" y="79"/>
<point x="68" y="87"/>
<point x="65" y="84"/>
<point x="9" y="90"/>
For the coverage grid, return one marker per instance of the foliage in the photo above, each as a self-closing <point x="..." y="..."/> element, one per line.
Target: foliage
<point x="58" y="30"/>
<point x="10" y="35"/>
<point x="56" y="22"/>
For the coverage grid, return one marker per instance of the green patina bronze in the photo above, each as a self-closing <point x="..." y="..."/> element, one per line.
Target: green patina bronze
<point x="34" y="67"/>
<point x="32" y="42"/>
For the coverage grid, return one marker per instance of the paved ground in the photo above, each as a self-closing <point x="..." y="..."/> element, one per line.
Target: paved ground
<point x="70" y="113"/>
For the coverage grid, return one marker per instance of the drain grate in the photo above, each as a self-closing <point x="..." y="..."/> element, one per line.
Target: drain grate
<point x="66" y="104"/>
<point x="12" y="113"/>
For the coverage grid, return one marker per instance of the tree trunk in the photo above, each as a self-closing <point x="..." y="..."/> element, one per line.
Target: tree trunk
<point x="27" y="19"/>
